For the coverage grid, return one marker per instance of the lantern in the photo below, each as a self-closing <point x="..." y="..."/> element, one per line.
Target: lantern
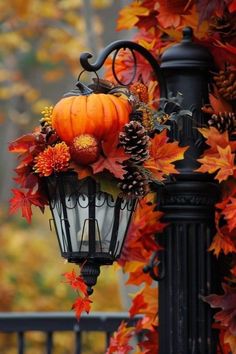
<point x="91" y="224"/>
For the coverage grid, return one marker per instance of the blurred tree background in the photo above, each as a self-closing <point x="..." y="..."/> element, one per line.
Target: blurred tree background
<point x="40" y="44"/>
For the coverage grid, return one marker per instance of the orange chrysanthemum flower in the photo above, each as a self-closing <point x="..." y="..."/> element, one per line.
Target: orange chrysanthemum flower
<point x="53" y="159"/>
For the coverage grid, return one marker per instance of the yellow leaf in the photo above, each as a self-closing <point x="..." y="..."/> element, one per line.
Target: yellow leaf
<point x="129" y="15"/>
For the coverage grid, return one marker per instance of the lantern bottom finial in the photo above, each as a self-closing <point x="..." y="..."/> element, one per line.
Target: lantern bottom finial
<point x="90" y="272"/>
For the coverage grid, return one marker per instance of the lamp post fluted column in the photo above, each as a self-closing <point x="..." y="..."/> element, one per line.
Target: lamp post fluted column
<point x="185" y="321"/>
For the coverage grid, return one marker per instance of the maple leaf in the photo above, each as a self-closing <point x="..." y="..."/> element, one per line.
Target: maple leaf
<point x="227" y="302"/>
<point x="119" y="342"/>
<point x="81" y="304"/>
<point x="24" y="200"/>
<point x="208" y="8"/>
<point x="22" y="144"/>
<point x="162" y="155"/>
<point x="150" y="344"/>
<point x="229" y="213"/>
<point x="145" y="224"/>
<point x="214" y="139"/>
<point x="230" y="339"/>
<point x="218" y="104"/>
<point x="129" y="16"/>
<point x="223" y="240"/>
<point x="222" y="243"/>
<point x="144" y="302"/>
<point x="224" y="163"/>
<point x="138" y="305"/>
<point x="138" y="277"/>
<point x="76" y="282"/>
<point x="112" y="159"/>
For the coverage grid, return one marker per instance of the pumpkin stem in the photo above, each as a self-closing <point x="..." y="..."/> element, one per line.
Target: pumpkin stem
<point x="80" y="90"/>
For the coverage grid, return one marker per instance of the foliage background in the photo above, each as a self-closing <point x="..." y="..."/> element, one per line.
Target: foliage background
<point x="40" y="44"/>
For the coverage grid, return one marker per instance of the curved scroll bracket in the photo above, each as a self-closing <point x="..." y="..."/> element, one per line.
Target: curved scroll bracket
<point x="115" y="47"/>
<point x="156" y="266"/>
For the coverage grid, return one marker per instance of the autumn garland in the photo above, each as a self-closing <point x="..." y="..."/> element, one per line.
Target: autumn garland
<point x="160" y="25"/>
<point x="119" y="146"/>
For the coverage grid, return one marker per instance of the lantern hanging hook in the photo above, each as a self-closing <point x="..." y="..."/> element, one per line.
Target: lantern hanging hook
<point x="115" y="47"/>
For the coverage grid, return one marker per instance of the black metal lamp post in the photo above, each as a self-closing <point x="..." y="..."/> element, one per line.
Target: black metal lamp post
<point x="91" y="225"/>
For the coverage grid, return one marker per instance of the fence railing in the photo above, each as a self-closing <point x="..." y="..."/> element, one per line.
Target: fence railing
<point x="51" y="322"/>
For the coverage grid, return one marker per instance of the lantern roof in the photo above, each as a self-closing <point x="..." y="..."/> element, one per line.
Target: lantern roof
<point x="186" y="54"/>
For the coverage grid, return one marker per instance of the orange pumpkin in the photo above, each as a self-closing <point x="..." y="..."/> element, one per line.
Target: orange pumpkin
<point x="97" y="114"/>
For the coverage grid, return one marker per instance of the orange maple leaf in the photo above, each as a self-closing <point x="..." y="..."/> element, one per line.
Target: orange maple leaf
<point x="147" y="305"/>
<point x="162" y="156"/>
<point x="217" y="105"/>
<point x="129" y="16"/>
<point x="214" y="139"/>
<point x="113" y="158"/>
<point x="136" y="273"/>
<point x="230" y="339"/>
<point x="138" y="305"/>
<point x="221" y="243"/>
<point x="223" y="240"/>
<point x="230" y="213"/>
<point x="81" y="304"/>
<point x="223" y="163"/>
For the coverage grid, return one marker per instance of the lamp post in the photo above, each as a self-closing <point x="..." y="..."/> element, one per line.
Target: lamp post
<point x="81" y="212"/>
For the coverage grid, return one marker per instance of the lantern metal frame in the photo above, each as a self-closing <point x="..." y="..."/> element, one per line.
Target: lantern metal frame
<point x="76" y="206"/>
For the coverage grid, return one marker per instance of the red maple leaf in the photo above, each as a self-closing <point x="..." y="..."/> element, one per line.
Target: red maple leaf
<point x="138" y="305"/>
<point x="227" y="302"/>
<point x="230" y="213"/>
<point x="81" y="304"/>
<point x="208" y="8"/>
<point x="119" y="342"/>
<point x="22" y="144"/>
<point x="76" y="282"/>
<point x="150" y="344"/>
<point x="113" y="158"/>
<point x="24" y="200"/>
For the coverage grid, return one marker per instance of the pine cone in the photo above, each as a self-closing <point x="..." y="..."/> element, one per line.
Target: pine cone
<point x="223" y="121"/>
<point x="226" y="84"/>
<point x="135" y="141"/>
<point x="225" y="26"/>
<point x="134" y="183"/>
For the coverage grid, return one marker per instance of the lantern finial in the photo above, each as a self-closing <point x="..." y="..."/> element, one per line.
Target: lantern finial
<point x="90" y="272"/>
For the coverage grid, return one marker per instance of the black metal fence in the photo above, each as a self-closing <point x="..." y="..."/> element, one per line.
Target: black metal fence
<point x="50" y="322"/>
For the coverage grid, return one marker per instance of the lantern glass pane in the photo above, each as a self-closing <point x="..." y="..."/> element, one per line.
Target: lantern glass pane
<point x="105" y="219"/>
<point x="125" y="216"/>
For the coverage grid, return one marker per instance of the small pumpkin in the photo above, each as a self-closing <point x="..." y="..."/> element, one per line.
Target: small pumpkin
<point x="97" y="114"/>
